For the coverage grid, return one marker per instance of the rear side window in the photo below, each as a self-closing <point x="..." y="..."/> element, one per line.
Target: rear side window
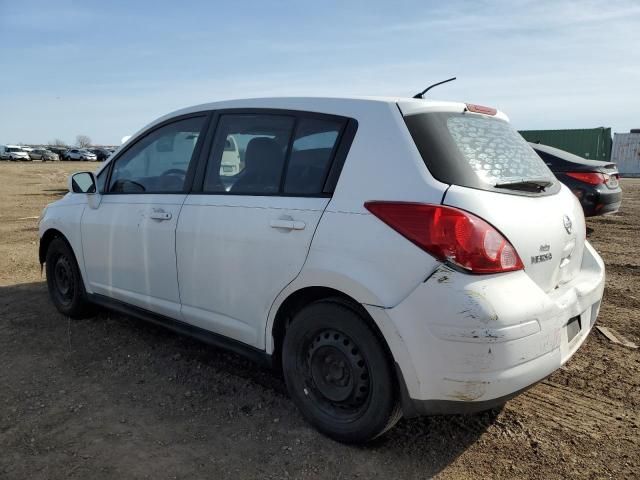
<point x="272" y="154"/>
<point x="249" y="153"/>
<point x="475" y="151"/>
<point x="313" y="148"/>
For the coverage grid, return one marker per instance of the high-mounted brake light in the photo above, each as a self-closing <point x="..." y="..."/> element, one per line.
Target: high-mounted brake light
<point x="481" y="109"/>
<point x="450" y="235"/>
<point x="592" y="178"/>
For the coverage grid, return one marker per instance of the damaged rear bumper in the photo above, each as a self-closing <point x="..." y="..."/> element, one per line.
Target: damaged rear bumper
<point x="469" y="343"/>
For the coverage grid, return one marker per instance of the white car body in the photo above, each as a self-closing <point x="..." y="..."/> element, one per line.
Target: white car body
<point x="460" y="342"/>
<point x="13" y="153"/>
<point x="80" y="154"/>
<point x="230" y="164"/>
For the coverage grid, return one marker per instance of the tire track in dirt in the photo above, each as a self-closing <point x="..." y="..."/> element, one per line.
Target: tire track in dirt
<point x="623" y="269"/>
<point x="556" y="406"/>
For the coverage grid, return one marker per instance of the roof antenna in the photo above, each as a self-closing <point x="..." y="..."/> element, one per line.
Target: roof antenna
<point x="421" y="94"/>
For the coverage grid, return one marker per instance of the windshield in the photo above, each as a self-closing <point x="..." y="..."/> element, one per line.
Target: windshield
<point x="477" y="151"/>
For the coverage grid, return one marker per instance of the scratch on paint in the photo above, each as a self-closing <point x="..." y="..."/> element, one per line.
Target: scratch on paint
<point x="467" y="390"/>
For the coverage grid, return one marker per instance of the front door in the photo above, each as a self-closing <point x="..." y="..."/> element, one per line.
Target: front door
<point x="129" y="239"/>
<point x="246" y="235"/>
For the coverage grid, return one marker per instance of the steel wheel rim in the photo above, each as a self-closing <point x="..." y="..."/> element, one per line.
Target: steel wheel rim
<point x="336" y="374"/>
<point x="63" y="279"/>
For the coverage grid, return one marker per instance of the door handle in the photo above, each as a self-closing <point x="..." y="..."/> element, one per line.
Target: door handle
<point x="287" y="224"/>
<point x="160" y="215"/>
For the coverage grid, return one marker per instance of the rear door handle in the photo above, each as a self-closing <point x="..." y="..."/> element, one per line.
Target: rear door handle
<point x="159" y="214"/>
<point x="287" y="224"/>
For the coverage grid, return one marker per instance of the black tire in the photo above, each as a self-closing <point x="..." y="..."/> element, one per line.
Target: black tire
<point x="66" y="288"/>
<point x="338" y="373"/>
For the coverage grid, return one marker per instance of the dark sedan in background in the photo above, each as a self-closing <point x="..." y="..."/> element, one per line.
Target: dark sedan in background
<point x="595" y="183"/>
<point x="101" y="153"/>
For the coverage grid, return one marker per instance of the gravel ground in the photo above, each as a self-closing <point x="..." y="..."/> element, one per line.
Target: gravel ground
<point x="113" y="397"/>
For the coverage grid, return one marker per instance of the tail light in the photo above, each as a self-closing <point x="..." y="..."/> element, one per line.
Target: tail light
<point x="450" y="235"/>
<point x="592" y="178"/>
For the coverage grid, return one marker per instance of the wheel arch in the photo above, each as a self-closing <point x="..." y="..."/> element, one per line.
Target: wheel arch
<point x="304" y="296"/>
<point x="45" y="241"/>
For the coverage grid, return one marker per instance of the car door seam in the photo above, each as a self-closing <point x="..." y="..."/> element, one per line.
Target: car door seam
<point x="175" y="251"/>
<point x="266" y="326"/>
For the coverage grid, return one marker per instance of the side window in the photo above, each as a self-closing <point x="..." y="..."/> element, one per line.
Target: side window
<point x="313" y="148"/>
<point x="248" y="154"/>
<point x="102" y="179"/>
<point x="158" y="162"/>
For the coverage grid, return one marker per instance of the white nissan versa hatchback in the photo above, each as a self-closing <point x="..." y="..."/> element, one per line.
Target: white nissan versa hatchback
<point x="392" y="256"/>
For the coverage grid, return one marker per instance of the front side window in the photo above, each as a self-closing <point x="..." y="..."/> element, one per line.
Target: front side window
<point x="158" y="162"/>
<point x="102" y="180"/>
<point x="249" y="153"/>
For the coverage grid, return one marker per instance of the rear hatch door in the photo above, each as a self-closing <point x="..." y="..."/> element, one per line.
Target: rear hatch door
<point x="548" y="232"/>
<point x="495" y="174"/>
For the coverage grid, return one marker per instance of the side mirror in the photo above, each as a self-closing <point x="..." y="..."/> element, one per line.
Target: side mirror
<point x="82" y="182"/>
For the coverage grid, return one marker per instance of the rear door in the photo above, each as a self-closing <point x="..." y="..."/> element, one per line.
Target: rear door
<point x="246" y="234"/>
<point x="129" y="239"/>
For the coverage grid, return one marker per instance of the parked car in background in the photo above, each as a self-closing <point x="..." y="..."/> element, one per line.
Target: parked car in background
<point x="80" y="154"/>
<point x="43" y="154"/>
<point x="13" y="152"/>
<point x="101" y="153"/>
<point x="392" y="256"/>
<point x="595" y="183"/>
<point x="230" y="164"/>
<point x="60" y="151"/>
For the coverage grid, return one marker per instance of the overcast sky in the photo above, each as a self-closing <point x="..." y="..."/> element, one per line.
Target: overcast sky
<point x="105" y="69"/>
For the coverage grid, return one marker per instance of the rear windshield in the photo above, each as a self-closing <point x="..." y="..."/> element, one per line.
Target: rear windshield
<point x="475" y="151"/>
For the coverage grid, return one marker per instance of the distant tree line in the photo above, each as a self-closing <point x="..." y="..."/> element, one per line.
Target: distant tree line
<point x="82" y="141"/>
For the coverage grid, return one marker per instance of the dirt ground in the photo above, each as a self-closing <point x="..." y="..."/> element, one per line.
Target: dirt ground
<point x="113" y="397"/>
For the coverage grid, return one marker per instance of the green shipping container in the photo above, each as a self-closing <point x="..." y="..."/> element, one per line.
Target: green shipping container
<point x="590" y="143"/>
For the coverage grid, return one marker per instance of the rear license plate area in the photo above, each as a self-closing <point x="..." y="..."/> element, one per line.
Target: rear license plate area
<point x="573" y="328"/>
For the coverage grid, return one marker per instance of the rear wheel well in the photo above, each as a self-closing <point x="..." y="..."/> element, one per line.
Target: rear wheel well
<point x="303" y="297"/>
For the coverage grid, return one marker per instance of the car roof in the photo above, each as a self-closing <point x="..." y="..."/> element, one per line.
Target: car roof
<point x="567" y="156"/>
<point x="351" y="106"/>
<point x="359" y="108"/>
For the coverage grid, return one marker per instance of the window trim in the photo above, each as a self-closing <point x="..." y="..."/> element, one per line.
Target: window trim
<point x="195" y="156"/>
<point x="336" y="162"/>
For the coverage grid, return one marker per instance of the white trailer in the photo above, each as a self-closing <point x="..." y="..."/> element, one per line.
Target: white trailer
<point x="626" y="153"/>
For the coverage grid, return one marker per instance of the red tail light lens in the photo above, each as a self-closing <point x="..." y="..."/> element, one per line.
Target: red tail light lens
<point x="450" y="235"/>
<point x="591" y="178"/>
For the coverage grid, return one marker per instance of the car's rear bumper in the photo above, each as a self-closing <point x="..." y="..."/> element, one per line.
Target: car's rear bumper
<point x="601" y="201"/>
<point x="467" y="343"/>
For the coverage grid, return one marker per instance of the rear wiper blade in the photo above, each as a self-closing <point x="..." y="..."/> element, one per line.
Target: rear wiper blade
<point x="534" y="185"/>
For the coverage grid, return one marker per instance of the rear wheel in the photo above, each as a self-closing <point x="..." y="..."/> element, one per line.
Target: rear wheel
<point x="65" y="282"/>
<point x="338" y="374"/>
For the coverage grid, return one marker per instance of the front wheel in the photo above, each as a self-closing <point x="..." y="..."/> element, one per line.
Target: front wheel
<point x="338" y="373"/>
<point x="64" y="281"/>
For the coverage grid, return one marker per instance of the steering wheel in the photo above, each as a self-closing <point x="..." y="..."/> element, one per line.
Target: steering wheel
<point x="174" y="171"/>
<point x="120" y="185"/>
